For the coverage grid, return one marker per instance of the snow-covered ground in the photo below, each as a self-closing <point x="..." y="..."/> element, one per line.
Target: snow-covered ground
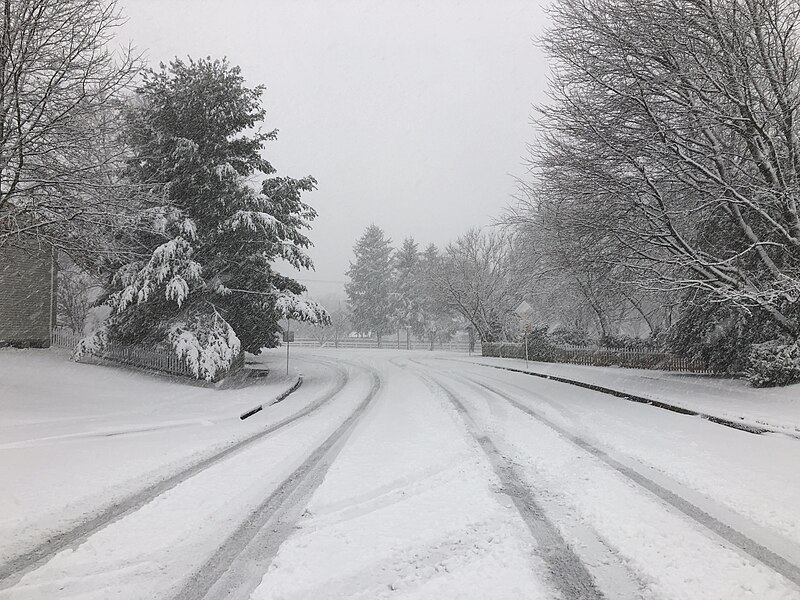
<point x="404" y="475"/>
<point x="74" y="437"/>
<point x="734" y="399"/>
<point x="409" y="509"/>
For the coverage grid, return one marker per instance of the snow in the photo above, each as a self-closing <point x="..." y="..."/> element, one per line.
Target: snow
<point x="177" y="290"/>
<point x="74" y="436"/>
<point x="127" y="559"/>
<point x="253" y="220"/>
<point x="751" y="475"/>
<point x="216" y="351"/>
<point x="296" y="307"/>
<point x="680" y="561"/>
<point x="170" y="259"/>
<point x="189" y="229"/>
<point x="734" y="399"/>
<point x="385" y="523"/>
<point x="411" y="507"/>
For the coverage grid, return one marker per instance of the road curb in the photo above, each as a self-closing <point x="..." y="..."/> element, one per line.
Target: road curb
<point x="754" y="429"/>
<point x="282" y="396"/>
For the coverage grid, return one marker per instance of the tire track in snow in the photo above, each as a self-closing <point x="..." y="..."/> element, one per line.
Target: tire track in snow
<point x="16" y="567"/>
<point x="762" y="554"/>
<point x="568" y="573"/>
<point x="236" y="568"/>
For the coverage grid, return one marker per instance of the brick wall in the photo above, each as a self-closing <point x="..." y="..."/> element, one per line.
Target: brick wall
<point x="27" y="297"/>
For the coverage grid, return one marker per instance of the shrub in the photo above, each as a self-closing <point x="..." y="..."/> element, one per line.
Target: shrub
<point x="627" y="342"/>
<point x="539" y="345"/>
<point x="572" y="337"/>
<point x="774" y="363"/>
<point x="718" y="336"/>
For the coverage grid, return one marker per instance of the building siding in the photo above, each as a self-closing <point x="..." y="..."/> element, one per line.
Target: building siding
<point x="27" y="297"/>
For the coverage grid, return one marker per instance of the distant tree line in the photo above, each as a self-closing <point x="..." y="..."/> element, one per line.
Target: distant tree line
<point x="473" y="283"/>
<point x="392" y="289"/>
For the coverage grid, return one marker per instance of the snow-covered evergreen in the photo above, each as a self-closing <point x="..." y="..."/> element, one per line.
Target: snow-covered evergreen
<point x="407" y="292"/>
<point x="197" y="275"/>
<point x="369" y="293"/>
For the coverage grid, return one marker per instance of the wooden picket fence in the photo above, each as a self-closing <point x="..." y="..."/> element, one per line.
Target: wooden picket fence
<point x="603" y="357"/>
<point x="139" y="356"/>
<point x="387" y="343"/>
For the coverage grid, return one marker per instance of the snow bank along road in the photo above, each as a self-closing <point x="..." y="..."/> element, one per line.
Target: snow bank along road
<point x="401" y="475"/>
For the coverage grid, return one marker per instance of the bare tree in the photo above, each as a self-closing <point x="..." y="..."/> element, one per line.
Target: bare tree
<point x="671" y="144"/>
<point x="76" y="292"/>
<point x="340" y="325"/>
<point x="578" y="282"/>
<point x="59" y="89"/>
<point x="480" y="279"/>
<point x="332" y="332"/>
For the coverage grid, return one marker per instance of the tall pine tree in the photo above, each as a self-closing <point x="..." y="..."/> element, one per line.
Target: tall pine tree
<point x="369" y="293"/>
<point x="407" y="293"/>
<point x="196" y="275"/>
<point x="438" y="322"/>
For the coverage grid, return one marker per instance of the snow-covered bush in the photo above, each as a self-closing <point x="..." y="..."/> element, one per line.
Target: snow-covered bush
<point x="720" y="337"/>
<point x="573" y="337"/>
<point x="91" y="344"/>
<point x="774" y="363"/>
<point x="627" y="342"/>
<point x="540" y="347"/>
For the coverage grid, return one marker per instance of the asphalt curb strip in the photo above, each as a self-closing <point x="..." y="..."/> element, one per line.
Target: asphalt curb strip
<point x="282" y="396"/>
<point x="643" y="400"/>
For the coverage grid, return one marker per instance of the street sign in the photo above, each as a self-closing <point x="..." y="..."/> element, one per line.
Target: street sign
<point x="524" y="310"/>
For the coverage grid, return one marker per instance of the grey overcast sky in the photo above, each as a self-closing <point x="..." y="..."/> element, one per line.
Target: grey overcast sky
<point x="412" y="115"/>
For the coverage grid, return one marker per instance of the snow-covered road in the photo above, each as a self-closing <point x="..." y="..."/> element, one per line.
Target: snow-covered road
<point x="386" y="475"/>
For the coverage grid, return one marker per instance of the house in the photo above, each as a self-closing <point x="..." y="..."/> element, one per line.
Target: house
<point x="27" y="295"/>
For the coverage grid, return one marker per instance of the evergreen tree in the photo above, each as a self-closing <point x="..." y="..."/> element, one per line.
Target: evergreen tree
<point x="196" y="275"/>
<point x="407" y="282"/>
<point x="369" y="293"/>
<point x="437" y="321"/>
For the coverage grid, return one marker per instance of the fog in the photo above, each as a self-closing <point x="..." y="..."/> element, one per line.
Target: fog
<point x="411" y="115"/>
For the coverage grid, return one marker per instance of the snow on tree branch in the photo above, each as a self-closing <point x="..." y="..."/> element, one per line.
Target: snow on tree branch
<point x="169" y="260"/>
<point x="294" y="306"/>
<point x="207" y="343"/>
<point x="252" y="220"/>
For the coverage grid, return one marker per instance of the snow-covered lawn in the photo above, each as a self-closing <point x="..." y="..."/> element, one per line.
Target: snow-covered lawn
<point x="182" y="525"/>
<point x="75" y="436"/>
<point x="735" y="399"/>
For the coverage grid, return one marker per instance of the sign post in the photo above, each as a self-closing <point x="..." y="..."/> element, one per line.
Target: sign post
<point x="527" y="331"/>
<point x="525" y="314"/>
<point x="288" y="338"/>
